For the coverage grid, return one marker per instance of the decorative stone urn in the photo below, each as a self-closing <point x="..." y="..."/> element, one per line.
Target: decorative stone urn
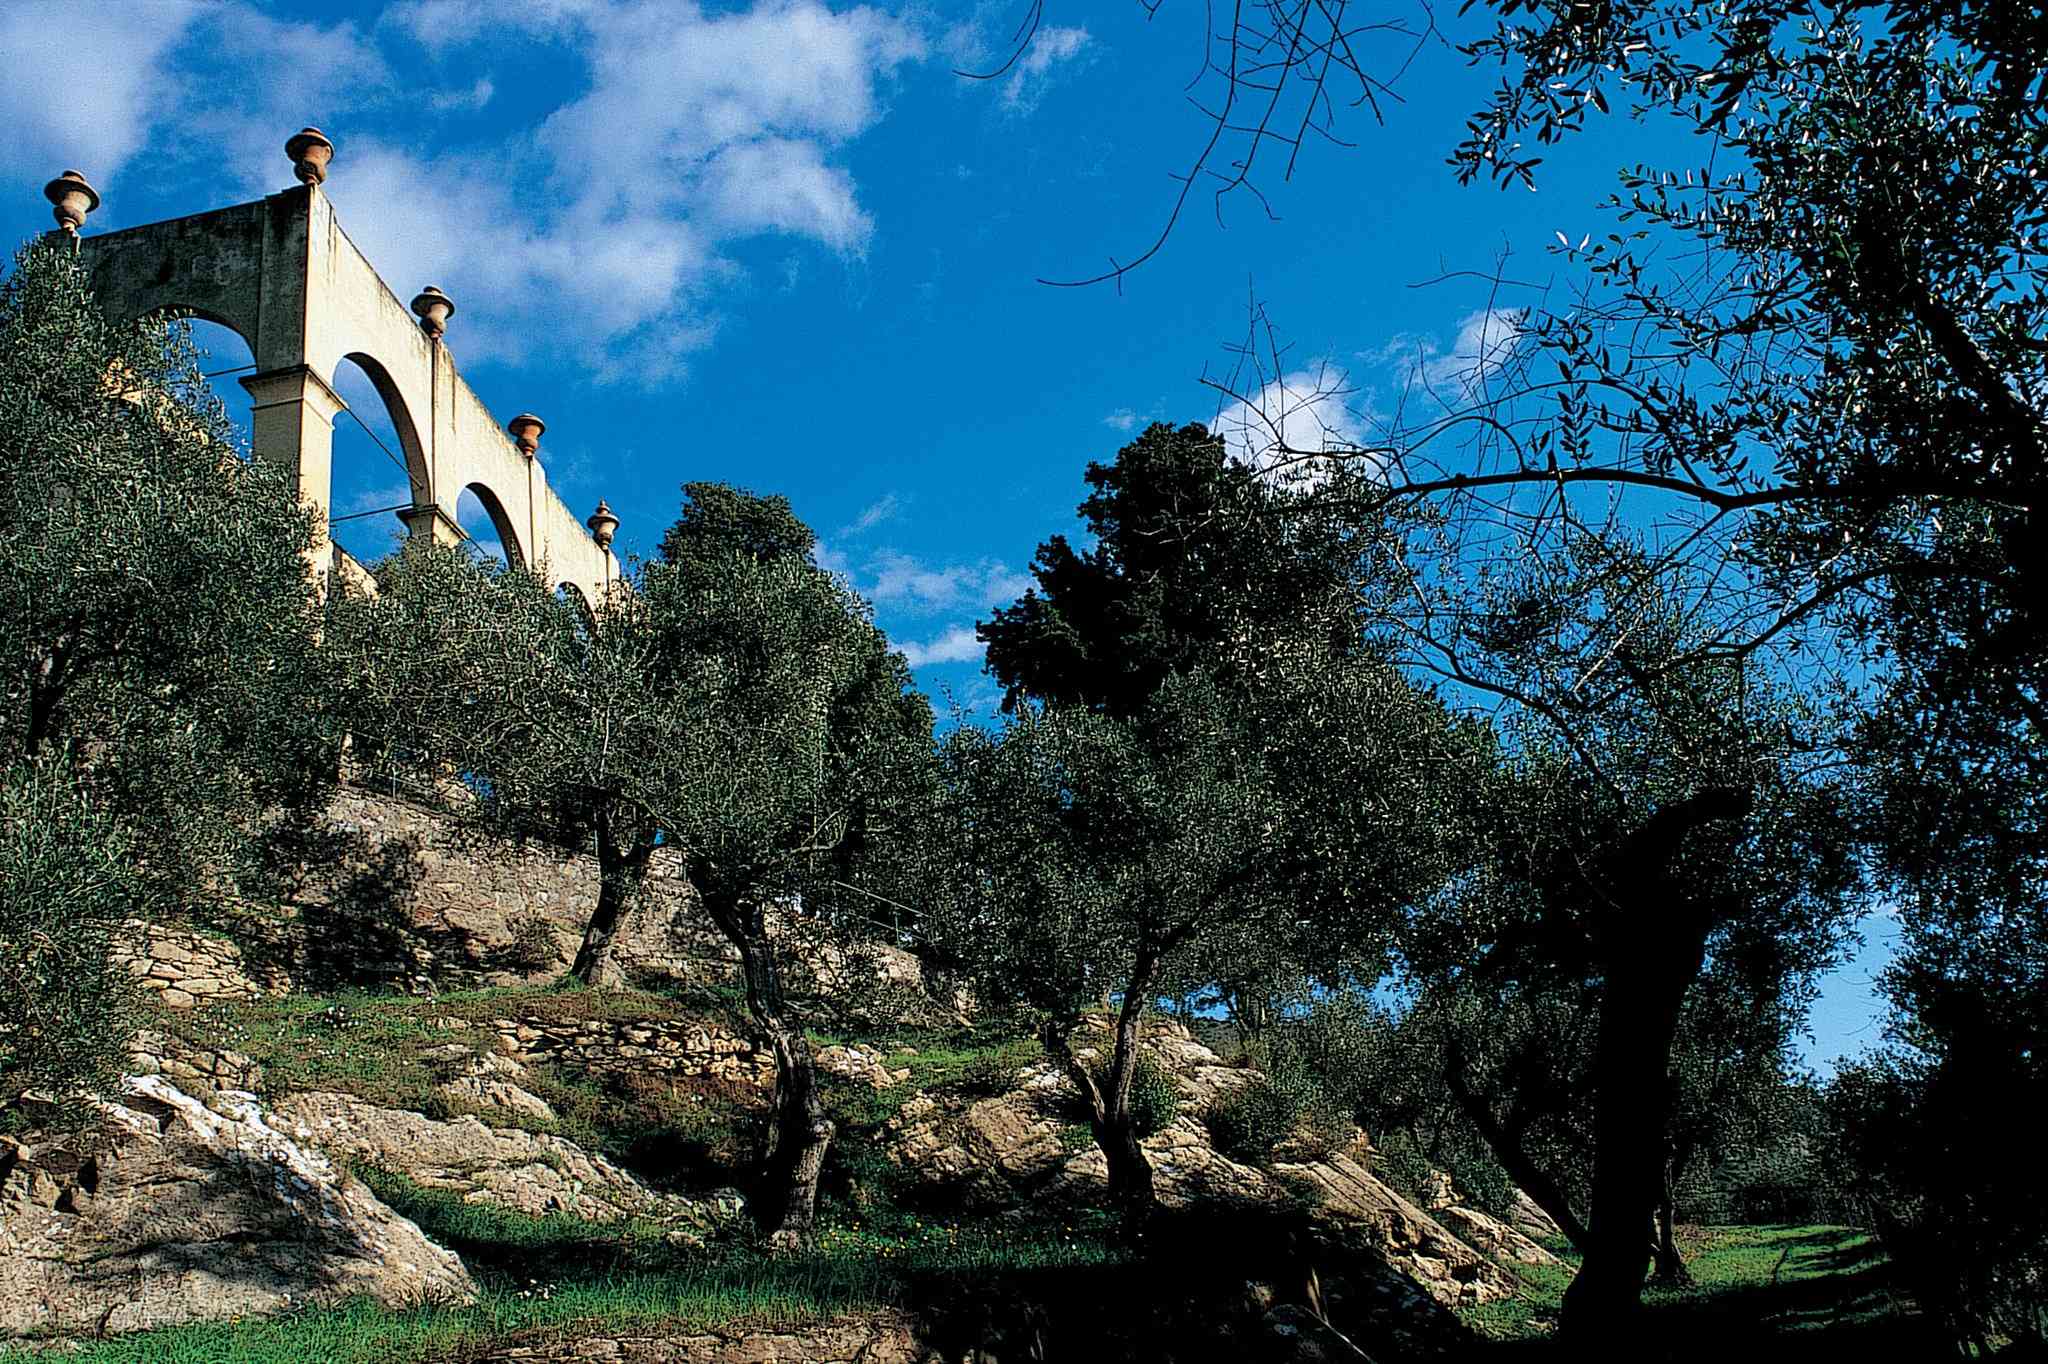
<point x="310" y="151"/>
<point x="434" y="309"/>
<point x="526" y="432"/>
<point x="602" y="525"/>
<point x="71" y="199"/>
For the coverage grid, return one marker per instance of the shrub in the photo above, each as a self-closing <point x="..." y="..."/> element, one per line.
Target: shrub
<point x="533" y="946"/>
<point x="1399" y="1161"/>
<point x="1250" y="1122"/>
<point x="989" y="1073"/>
<point x="65" y="887"/>
<point x="1155" y="1097"/>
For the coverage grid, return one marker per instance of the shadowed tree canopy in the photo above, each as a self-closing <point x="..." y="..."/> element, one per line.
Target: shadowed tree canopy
<point x="720" y="519"/>
<point x="1192" y="561"/>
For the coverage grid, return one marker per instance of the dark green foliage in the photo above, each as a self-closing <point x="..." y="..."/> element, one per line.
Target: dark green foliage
<point x="1253" y="1119"/>
<point x="162" y="721"/>
<point x="67" y="880"/>
<point x="156" y="612"/>
<point x="732" y="703"/>
<point x="1398" y="1159"/>
<point x="1155" y="1096"/>
<point x="1199" y="562"/>
<point x="988" y="1074"/>
<point x="1938" y="1161"/>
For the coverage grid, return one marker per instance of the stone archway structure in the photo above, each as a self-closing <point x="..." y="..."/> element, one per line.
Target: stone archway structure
<point x="283" y="275"/>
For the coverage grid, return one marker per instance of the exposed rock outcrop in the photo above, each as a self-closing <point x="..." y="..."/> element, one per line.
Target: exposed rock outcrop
<point x="167" y="1209"/>
<point x="527" y="1172"/>
<point x="1502" y="1240"/>
<point x="1022" y="1144"/>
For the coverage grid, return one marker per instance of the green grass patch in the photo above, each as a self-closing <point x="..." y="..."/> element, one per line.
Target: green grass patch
<point x="567" y="1277"/>
<point x="1762" y="1293"/>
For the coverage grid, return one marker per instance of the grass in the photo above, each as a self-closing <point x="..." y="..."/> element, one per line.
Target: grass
<point x="563" y="1277"/>
<point x="391" y="1050"/>
<point x="1760" y="1294"/>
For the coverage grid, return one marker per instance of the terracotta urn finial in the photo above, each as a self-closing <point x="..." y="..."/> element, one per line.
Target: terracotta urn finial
<point x="310" y="151"/>
<point x="526" y="432"/>
<point x="70" y="200"/>
<point x="602" y="524"/>
<point x="434" y="309"/>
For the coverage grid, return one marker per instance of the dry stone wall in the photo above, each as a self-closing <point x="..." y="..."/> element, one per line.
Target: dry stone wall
<point x="684" y="1048"/>
<point x="396" y="894"/>
<point x="187" y="968"/>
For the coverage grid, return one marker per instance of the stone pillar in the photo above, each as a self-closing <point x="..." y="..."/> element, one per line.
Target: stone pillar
<point x="431" y="525"/>
<point x="292" y="424"/>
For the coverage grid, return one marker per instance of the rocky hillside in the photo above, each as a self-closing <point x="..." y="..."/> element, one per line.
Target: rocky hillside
<point x="457" y="1142"/>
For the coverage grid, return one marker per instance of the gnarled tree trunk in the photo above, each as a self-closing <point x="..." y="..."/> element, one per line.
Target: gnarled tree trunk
<point x="1652" y="943"/>
<point x="621" y="868"/>
<point x="1131" y="1190"/>
<point x="800" y="1131"/>
<point x="1669" y="1264"/>
<point x="1507" y="1148"/>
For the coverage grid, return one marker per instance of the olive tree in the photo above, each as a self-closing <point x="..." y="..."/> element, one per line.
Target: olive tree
<point x="158" y="621"/>
<point x="67" y="880"/>
<point x="735" y="705"/>
<point x="1077" y="857"/>
<point x="1662" y="813"/>
<point x="163" y="716"/>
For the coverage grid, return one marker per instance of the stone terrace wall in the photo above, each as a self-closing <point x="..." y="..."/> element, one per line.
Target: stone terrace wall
<point x="397" y="894"/>
<point x="187" y="968"/>
<point x="405" y="896"/>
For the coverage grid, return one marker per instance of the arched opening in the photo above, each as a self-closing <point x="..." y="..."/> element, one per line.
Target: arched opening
<point x="379" y="467"/>
<point x="486" y="527"/>
<point x="571" y="593"/>
<point x="224" y="359"/>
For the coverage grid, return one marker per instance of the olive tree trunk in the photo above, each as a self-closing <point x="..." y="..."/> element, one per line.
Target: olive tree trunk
<point x="1131" y="1190"/>
<point x="1669" y="1264"/>
<point x="1507" y="1148"/>
<point x="621" y="869"/>
<point x="800" y="1131"/>
<point x="1651" y="945"/>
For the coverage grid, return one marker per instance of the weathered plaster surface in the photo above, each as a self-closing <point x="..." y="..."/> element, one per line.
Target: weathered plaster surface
<point x="283" y="275"/>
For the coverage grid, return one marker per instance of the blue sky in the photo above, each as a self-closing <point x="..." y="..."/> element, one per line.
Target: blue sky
<point x="781" y="244"/>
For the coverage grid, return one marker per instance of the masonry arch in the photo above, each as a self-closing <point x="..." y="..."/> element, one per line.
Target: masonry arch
<point x="208" y="323"/>
<point x="493" y="509"/>
<point x="377" y="469"/>
<point x="224" y="355"/>
<point x="403" y="424"/>
<point x="281" y="276"/>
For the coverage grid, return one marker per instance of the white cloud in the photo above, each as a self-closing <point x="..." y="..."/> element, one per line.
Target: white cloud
<point x="956" y="645"/>
<point x="310" y="73"/>
<point x="1123" y="419"/>
<point x="1026" y="83"/>
<point x="780" y="185"/>
<point x="1485" y="341"/>
<point x="601" y="224"/>
<point x="476" y="97"/>
<point x="80" y="86"/>
<point x="440" y="25"/>
<point x="874" y="514"/>
<point x="672" y="87"/>
<point x="897" y="581"/>
<point x="375" y="499"/>
<point x="1306" y="411"/>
